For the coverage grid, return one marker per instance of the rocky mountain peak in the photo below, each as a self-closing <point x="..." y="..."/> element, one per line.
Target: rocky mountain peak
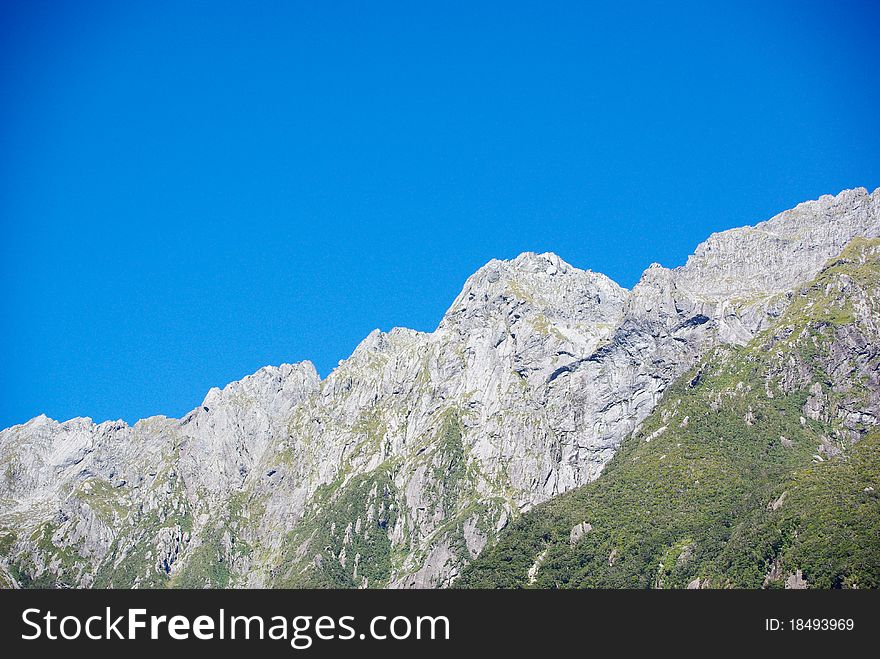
<point x="285" y="380"/>
<point x="536" y="284"/>
<point x="546" y="262"/>
<point x="772" y="256"/>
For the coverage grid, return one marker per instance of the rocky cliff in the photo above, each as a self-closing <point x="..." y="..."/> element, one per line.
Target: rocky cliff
<point x="399" y="467"/>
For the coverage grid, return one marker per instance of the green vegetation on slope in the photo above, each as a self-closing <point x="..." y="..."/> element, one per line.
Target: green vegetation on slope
<point x="343" y="540"/>
<point x="353" y="533"/>
<point x="745" y="474"/>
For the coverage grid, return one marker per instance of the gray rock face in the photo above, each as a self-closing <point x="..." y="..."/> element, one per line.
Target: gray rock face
<point x="796" y="581"/>
<point x="774" y="256"/>
<point x="578" y="532"/>
<point x="409" y="457"/>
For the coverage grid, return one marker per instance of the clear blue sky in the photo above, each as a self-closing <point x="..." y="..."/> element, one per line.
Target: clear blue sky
<point x="191" y="190"/>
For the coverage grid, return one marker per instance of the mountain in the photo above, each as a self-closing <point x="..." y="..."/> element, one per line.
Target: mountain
<point x="760" y="467"/>
<point x="412" y="456"/>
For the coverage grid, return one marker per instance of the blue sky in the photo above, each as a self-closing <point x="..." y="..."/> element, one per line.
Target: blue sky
<point x="191" y="190"/>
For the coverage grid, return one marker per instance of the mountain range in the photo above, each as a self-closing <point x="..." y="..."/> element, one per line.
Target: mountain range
<point x="714" y="426"/>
